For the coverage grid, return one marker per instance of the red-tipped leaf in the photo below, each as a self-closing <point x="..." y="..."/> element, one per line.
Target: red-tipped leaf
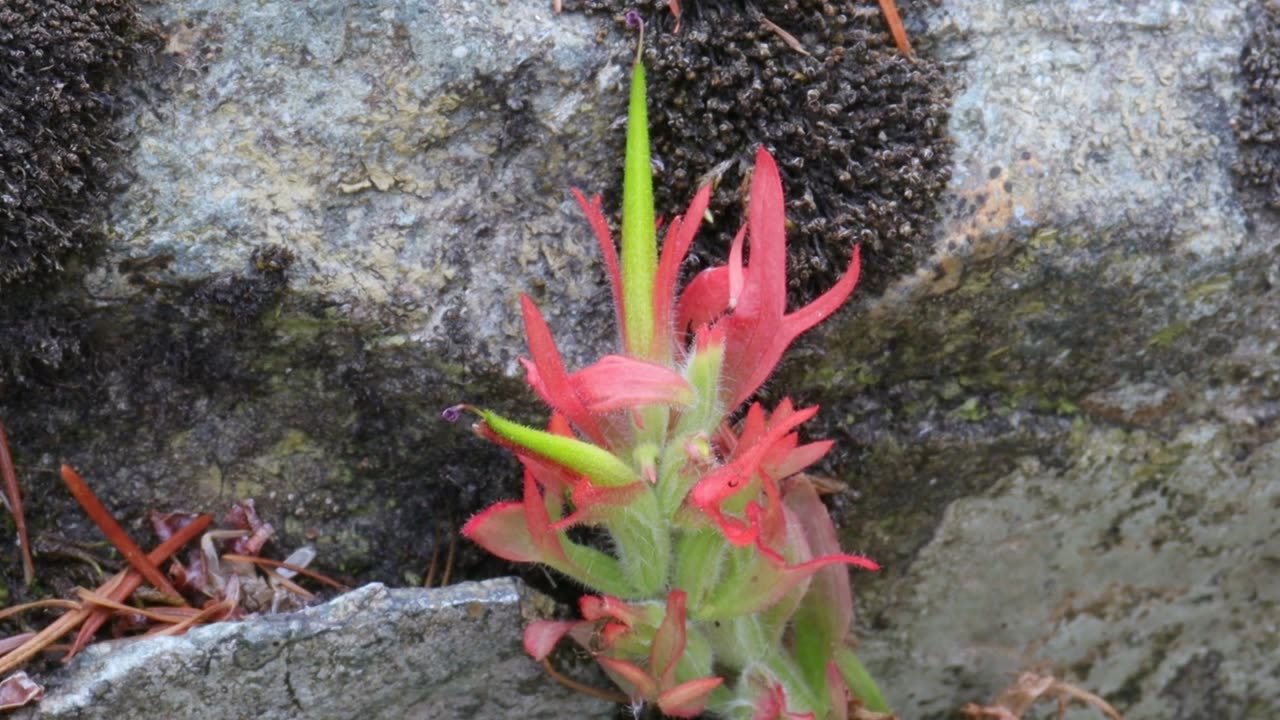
<point x="689" y="699"/>
<point x="542" y="636"/>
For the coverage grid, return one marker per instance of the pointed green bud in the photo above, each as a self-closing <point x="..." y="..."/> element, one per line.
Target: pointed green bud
<point x="603" y="467"/>
<point x="639" y="237"/>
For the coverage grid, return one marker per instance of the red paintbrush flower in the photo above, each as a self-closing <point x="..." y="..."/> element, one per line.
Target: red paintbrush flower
<point x="722" y="584"/>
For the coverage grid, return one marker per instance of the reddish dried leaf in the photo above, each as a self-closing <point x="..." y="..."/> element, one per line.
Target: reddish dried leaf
<point x="542" y="636"/>
<point x="18" y="690"/>
<point x="13" y="499"/>
<point x="688" y="699"/>
<point x="101" y="517"/>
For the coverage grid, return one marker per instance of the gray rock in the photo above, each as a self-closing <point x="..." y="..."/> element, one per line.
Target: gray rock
<point x="415" y="157"/>
<point x="1064" y="423"/>
<point x="371" y="653"/>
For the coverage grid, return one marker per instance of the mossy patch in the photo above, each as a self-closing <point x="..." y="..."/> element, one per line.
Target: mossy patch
<point x="938" y="397"/>
<point x="1257" y="124"/>
<point x="62" y="63"/>
<point x="859" y="131"/>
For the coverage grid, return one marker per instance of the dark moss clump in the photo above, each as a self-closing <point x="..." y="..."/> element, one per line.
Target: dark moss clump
<point x="1258" y="124"/>
<point x="858" y="130"/>
<point x="60" y="63"/>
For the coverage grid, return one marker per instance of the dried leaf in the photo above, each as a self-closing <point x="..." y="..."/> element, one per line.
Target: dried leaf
<point x="1014" y="701"/>
<point x="18" y="690"/>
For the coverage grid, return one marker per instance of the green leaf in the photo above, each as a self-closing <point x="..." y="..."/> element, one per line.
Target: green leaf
<point x="597" y="570"/>
<point x="859" y="681"/>
<point x="639" y="238"/>
<point x="699" y="555"/>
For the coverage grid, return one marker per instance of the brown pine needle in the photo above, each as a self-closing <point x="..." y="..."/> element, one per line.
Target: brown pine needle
<point x="101" y="517"/>
<point x="224" y="608"/>
<point x="129" y="582"/>
<point x="787" y="37"/>
<point x="894" y="21"/>
<point x="288" y="584"/>
<point x="448" y="563"/>
<point x="431" y="569"/>
<point x="13" y="499"/>
<point x="232" y="557"/>
<point x="42" y="639"/>
<point x="118" y="587"/>
<point x="448" y="560"/>
<point x="163" y="615"/>
<point x="37" y="605"/>
<point x="606" y="695"/>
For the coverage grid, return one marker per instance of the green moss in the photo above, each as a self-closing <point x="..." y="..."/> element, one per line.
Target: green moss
<point x="971" y="410"/>
<point x="1212" y="286"/>
<point x="1044" y="239"/>
<point x="1167" y="335"/>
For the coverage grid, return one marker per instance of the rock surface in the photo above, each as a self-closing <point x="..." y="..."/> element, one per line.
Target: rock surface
<point x="372" y="653"/>
<point x="1065" y="423"/>
<point x="389" y="146"/>
<point x="333" y="210"/>
<point x="1061" y="430"/>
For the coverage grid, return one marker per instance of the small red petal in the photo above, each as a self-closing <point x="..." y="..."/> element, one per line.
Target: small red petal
<point x="669" y="640"/>
<point x="679" y="236"/>
<point x="547" y="375"/>
<point x="703" y="300"/>
<point x="736" y="272"/>
<point x="600" y="227"/>
<point x="542" y="636"/>
<point x="616" y="382"/>
<point x="826" y="303"/>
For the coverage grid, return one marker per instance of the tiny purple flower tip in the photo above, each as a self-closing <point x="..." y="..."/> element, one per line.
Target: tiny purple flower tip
<point x="452" y="414"/>
<point x="633" y="19"/>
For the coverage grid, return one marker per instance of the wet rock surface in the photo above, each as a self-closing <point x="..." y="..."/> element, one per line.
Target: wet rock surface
<point x="373" y="653"/>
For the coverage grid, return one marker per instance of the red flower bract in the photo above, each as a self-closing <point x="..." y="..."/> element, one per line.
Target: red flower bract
<point x="750" y="301"/>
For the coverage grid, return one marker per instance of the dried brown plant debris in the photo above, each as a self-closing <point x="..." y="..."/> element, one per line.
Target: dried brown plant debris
<point x="1014" y="701"/>
<point x="223" y="578"/>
